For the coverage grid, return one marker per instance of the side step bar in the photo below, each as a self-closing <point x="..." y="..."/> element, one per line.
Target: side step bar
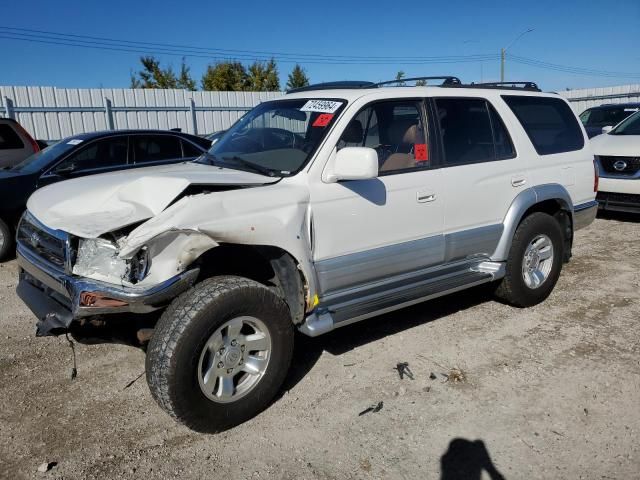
<point x="350" y="309"/>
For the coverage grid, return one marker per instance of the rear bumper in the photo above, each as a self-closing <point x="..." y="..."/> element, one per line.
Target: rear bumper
<point x="584" y="214"/>
<point x="56" y="299"/>
<point x="619" y="202"/>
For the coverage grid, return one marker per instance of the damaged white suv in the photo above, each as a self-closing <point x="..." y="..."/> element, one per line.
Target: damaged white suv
<point x="330" y="205"/>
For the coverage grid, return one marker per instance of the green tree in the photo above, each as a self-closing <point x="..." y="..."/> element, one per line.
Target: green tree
<point x="185" y="80"/>
<point x="297" y="78"/>
<point x="421" y="83"/>
<point x="263" y="77"/>
<point x="399" y="77"/>
<point x="153" y="75"/>
<point x="230" y="76"/>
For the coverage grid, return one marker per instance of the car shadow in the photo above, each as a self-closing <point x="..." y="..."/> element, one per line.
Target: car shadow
<point x="466" y="460"/>
<point x="308" y="350"/>
<point x="619" y="216"/>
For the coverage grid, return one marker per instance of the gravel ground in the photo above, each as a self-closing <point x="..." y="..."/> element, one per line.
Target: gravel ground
<point x="547" y="392"/>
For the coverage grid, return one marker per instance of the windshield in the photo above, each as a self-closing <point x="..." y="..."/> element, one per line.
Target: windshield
<point x="44" y="158"/>
<point x="631" y="126"/>
<point x="603" y="117"/>
<point x="276" y="138"/>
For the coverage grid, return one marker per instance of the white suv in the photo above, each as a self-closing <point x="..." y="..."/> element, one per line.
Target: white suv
<point x="618" y="156"/>
<point x="335" y="203"/>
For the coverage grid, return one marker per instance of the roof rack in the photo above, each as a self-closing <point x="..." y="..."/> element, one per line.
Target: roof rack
<point x="447" y="81"/>
<point x="348" y="84"/>
<point x="531" y="86"/>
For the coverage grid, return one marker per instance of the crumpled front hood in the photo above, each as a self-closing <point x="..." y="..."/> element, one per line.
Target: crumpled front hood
<point x="91" y="206"/>
<point x="616" y="145"/>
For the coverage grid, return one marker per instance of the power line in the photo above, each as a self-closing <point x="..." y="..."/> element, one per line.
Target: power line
<point x="219" y="54"/>
<point x="190" y="50"/>
<point x="574" y="70"/>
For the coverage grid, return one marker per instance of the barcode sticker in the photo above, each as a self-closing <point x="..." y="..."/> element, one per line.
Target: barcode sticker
<point x="321" y="106"/>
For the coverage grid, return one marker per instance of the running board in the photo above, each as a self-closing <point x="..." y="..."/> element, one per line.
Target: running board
<point x="350" y="308"/>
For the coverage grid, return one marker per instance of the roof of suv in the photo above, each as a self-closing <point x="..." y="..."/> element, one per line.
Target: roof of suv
<point x="351" y="94"/>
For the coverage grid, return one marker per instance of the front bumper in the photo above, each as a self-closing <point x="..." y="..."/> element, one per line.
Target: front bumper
<point x="57" y="299"/>
<point x="584" y="214"/>
<point x="619" y="202"/>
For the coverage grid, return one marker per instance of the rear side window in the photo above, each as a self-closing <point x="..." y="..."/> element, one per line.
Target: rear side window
<point x="155" y="148"/>
<point x="9" y="139"/>
<point x="472" y="131"/>
<point x="549" y="122"/>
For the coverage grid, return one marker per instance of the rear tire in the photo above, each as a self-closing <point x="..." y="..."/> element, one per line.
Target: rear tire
<point x="6" y="240"/>
<point x="534" y="262"/>
<point x="219" y="353"/>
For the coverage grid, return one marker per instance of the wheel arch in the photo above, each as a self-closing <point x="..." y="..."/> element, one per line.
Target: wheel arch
<point x="553" y="199"/>
<point x="269" y="265"/>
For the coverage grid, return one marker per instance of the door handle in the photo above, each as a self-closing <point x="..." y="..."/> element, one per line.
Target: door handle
<point x="518" y="181"/>
<point x="424" y="197"/>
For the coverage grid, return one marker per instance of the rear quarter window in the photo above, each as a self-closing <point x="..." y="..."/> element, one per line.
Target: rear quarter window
<point x="549" y="122"/>
<point x="9" y="139"/>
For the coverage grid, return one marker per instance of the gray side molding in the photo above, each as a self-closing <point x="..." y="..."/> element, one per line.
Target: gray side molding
<point x="525" y="200"/>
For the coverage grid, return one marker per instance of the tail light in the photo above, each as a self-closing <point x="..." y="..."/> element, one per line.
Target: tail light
<point x="34" y="144"/>
<point x="596" y="174"/>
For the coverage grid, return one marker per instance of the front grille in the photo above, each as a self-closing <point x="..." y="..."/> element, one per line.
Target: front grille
<point x="620" y="165"/>
<point x="49" y="245"/>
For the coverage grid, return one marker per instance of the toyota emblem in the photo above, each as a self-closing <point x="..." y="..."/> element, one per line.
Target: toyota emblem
<point x="620" y="165"/>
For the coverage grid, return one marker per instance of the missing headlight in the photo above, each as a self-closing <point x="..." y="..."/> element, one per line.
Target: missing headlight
<point x="98" y="256"/>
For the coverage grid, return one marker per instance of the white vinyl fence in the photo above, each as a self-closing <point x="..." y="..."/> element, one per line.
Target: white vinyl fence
<point x="592" y="97"/>
<point x="50" y="113"/>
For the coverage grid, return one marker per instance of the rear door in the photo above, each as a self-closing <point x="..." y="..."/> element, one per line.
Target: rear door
<point x="482" y="173"/>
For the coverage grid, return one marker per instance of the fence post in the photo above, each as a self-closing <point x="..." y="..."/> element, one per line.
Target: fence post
<point x="194" y="119"/>
<point x="108" y="113"/>
<point x="8" y="107"/>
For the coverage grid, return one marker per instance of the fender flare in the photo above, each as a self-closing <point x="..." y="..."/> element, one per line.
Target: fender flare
<point x="523" y="202"/>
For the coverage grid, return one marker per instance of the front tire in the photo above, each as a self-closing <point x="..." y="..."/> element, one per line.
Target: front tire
<point x="6" y="240"/>
<point x="534" y="262"/>
<point x="220" y="353"/>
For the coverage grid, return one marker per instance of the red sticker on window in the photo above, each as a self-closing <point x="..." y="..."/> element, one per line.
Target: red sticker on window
<point x="421" y="152"/>
<point x="323" y="120"/>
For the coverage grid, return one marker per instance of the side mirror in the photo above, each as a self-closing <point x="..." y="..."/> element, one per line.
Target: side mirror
<point x="607" y="129"/>
<point x="65" y="169"/>
<point x="354" y="163"/>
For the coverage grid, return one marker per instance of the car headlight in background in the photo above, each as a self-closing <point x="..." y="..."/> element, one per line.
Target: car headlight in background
<point x="98" y="258"/>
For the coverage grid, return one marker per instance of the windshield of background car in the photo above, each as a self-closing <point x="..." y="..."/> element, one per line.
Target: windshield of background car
<point x="631" y="126"/>
<point x="44" y="158"/>
<point x="603" y="117"/>
<point x="276" y="138"/>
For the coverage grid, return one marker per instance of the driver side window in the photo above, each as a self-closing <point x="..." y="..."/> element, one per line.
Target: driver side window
<point x="395" y="129"/>
<point x="108" y="152"/>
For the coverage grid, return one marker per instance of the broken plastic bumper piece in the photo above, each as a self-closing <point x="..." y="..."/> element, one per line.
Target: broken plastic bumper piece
<point x="57" y="298"/>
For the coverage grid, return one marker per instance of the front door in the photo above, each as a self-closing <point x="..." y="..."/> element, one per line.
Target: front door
<point x="369" y="230"/>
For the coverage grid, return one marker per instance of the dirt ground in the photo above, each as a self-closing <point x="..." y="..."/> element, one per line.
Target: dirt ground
<point x="549" y="392"/>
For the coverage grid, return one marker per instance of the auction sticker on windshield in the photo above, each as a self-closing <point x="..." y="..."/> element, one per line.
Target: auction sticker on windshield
<point x="321" y="106"/>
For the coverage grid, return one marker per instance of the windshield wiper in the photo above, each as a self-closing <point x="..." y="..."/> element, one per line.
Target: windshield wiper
<point x="252" y="166"/>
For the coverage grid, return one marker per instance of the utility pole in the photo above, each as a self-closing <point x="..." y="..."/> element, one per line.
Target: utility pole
<point x="503" y="52"/>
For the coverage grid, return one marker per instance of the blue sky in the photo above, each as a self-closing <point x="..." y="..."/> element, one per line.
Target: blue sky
<point x="590" y="34"/>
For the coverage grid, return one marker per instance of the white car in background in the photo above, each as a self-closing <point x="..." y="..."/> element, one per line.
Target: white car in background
<point x="618" y="156"/>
